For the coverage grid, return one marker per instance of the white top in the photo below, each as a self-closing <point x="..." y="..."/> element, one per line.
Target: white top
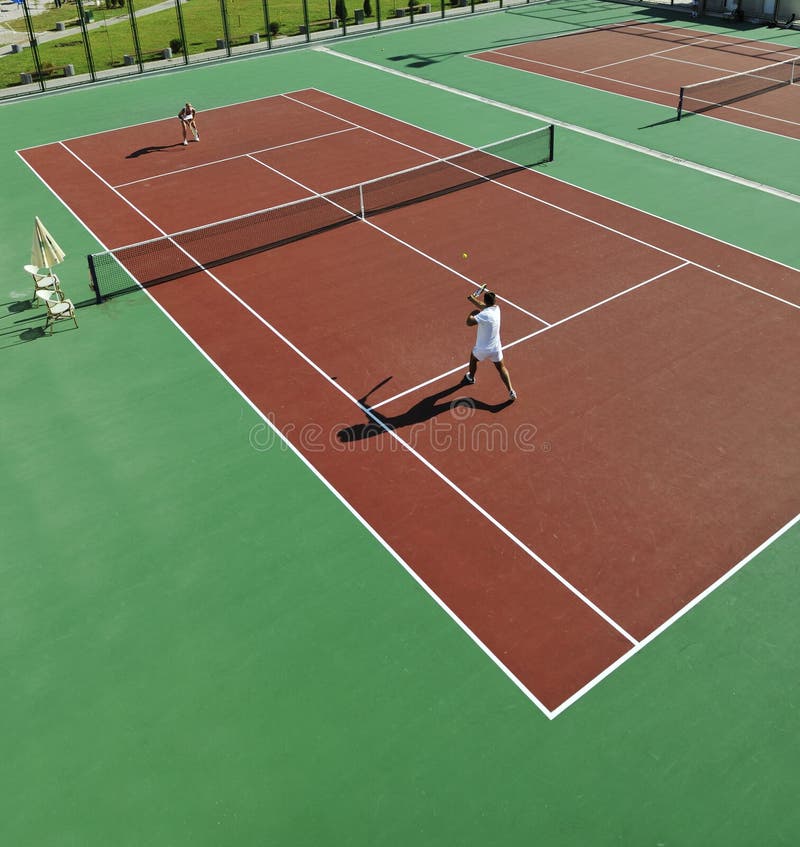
<point x="488" y="328"/>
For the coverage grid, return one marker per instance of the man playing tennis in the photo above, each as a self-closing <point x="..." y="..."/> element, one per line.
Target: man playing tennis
<point x="187" y="115"/>
<point x="487" y="345"/>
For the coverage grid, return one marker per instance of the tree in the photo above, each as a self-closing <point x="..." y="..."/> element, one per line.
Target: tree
<point x="367" y="9"/>
<point x="341" y="10"/>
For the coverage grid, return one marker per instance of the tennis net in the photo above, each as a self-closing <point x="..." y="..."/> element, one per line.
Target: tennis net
<point x="723" y="91"/>
<point x="192" y="251"/>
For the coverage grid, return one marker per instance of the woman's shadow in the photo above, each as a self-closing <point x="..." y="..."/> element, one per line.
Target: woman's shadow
<point x="423" y="410"/>
<point x="143" y="151"/>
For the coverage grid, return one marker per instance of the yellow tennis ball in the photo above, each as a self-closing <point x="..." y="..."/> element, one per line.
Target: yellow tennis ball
<point x="464" y="256"/>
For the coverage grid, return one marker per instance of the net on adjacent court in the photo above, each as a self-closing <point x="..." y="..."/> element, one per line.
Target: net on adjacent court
<point x="203" y="248"/>
<point x="726" y="90"/>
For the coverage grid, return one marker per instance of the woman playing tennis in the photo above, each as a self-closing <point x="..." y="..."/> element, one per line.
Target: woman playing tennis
<point x="187" y="117"/>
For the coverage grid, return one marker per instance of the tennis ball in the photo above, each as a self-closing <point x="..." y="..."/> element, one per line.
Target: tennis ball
<point x="464" y="256"/>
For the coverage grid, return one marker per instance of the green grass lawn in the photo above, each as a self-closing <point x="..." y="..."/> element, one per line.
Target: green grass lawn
<point x="203" y="25"/>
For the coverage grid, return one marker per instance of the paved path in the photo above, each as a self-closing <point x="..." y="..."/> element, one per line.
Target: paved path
<point x="11" y="11"/>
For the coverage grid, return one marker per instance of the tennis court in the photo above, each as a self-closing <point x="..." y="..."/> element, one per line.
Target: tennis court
<point x="742" y="80"/>
<point x="280" y="575"/>
<point x="594" y="299"/>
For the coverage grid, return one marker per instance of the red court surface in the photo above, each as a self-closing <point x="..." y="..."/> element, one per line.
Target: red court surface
<point x="652" y="61"/>
<point x="652" y="447"/>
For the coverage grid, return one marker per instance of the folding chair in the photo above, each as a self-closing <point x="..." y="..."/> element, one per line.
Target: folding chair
<point x="58" y="308"/>
<point x="42" y="282"/>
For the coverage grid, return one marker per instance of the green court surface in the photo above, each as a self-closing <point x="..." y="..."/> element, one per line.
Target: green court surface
<point x="201" y="645"/>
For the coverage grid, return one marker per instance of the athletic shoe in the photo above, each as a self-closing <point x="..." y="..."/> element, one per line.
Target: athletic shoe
<point x="469" y="379"/>
<point x="512" y="395"/>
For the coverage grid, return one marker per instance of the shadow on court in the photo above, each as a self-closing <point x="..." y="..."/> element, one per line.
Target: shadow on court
<point x="18" y="306"/>
<point x="20" y="331"/>
<point x="15" y="336"/>
<point x="672" y="120"/>
<point x="423" y="410"/>
<point x="143" y="151"/>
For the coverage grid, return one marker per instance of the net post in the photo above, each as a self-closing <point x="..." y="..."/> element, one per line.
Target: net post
<point x="680" y="104"/>
<point x="552" y="142"/>
<point x="361" y="201"/>
<point x="94" y="284"/>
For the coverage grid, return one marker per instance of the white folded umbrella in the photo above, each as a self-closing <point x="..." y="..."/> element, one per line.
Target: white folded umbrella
<point x="45" y="252"/>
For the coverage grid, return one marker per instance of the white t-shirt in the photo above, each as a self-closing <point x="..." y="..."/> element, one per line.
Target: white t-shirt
<point x="488" y="328"/>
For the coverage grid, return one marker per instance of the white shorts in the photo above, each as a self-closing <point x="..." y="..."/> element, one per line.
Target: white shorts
<point x="493" y="354"/>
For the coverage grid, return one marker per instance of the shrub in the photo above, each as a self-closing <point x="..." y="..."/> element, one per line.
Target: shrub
<point x="274" y="27"/>
<point x="367" y="9"/>
<point x="176" y="45"/>
<point x="341" y="10"/>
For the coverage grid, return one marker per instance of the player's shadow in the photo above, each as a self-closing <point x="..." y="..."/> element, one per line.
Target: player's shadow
<point x="423" y="410"/>
<point x="143" y="151"/>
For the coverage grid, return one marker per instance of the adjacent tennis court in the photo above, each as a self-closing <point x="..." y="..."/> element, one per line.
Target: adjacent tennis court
<point x="274" y="573"/>
<point x="742" y="80"/>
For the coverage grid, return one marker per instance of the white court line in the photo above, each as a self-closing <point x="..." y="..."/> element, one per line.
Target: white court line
<point x="120" y="80"/>
<point x="657" y="54"/>
<point x="390" y="432"/>
<point x="677" y="616"/>
<point x="373" y="131"/>
<point x="602" y="302"/>
<point x="539" y="331"/>
<point x="581" y="73"/>
<point x="234" y="158"/>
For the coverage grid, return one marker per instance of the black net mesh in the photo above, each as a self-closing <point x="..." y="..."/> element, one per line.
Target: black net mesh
<point x="193" y="251"/>
<point x="727" y="90"/>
